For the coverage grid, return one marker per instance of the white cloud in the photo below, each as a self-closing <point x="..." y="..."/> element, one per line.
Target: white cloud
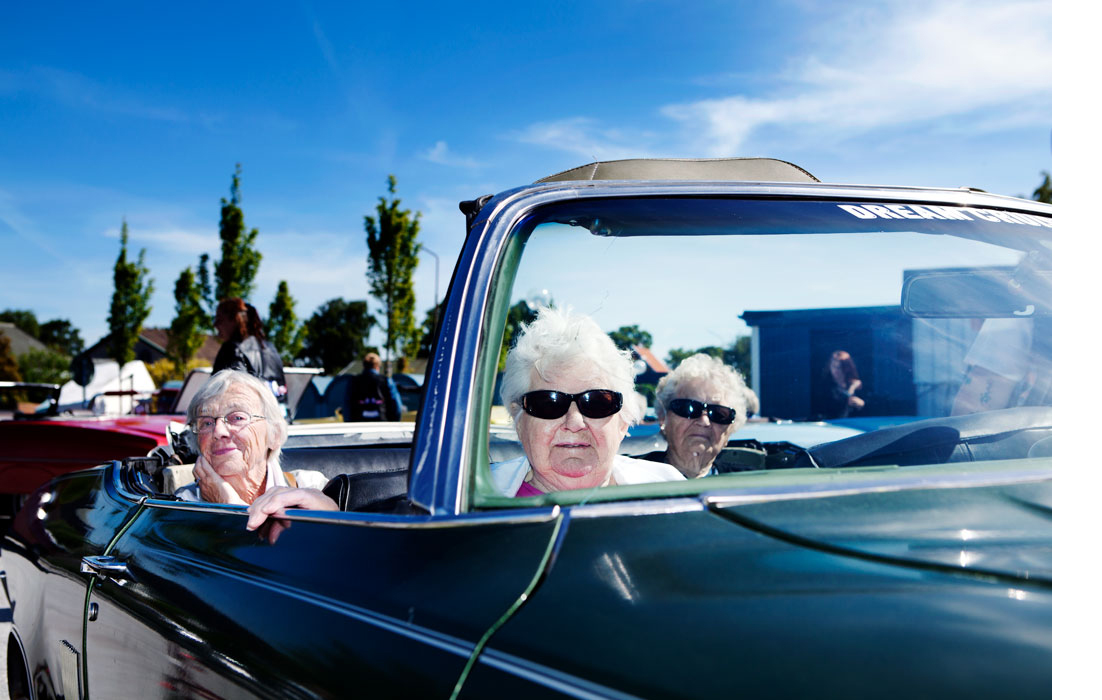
<point x="586" y="138"/>
<point x="992" y="61"/>
<point x="442" y="155"/>
<point x="76" y="90"/>
<point x="985" y="64"/>
<point x="171" y="239"/>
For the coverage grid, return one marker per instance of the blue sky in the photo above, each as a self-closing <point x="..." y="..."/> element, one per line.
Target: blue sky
<point x="139" y="110"/>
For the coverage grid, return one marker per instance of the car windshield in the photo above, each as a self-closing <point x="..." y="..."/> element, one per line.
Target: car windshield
<point x="843" y="318"/>
<point x="19" y="399"/>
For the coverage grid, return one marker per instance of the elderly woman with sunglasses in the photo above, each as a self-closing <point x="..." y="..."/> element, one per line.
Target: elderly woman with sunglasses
<point x="699" y="405"/>
<point x="564" y="385"/>
<point x="241" y="430"/>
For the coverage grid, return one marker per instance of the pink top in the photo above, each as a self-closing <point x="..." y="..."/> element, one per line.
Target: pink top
<point x="526" y="489"/>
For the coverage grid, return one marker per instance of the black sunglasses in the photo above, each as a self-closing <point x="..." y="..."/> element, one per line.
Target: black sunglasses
<point x="689" y="408"/>
<point x="595" y="403"/>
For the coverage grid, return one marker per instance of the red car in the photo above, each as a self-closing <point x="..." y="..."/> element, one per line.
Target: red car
<point x="37" y="443"/>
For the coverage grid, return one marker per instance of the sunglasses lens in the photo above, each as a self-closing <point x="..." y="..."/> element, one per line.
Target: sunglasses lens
<point x="600" y="403"/>
<point x="721" y="415"/>
<point x="688" y="408"/>
<point x="549" y="405"/>
<point x="546" y="404"/>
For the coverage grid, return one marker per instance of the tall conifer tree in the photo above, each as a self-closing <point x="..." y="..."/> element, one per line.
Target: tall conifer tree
<point x="391" y="261"/>
<point x="240" y="261"/>
<point x="282" y="327"/>
<point x="185" y="335"/>
<point x="129" y="304"/>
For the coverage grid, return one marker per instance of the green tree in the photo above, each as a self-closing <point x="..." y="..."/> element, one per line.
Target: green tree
<point x="335" y="334"/>
<point x="282" y="327"/>
<point x="428" y="330"/>
<point x="240" y="261"/>
<point x="1043" y="193"/>
<point x="9" y="367"/>
<point x="391" y="261"/>
<point x="185" y="334"/>
<point x="44" y="366"/>
<point x="23" y="319"/>
<point x="737" y="355"/>
<point x="129" y="304"/>
<point x="520" y="314"/>
<point x="59" y="335"/>
<point x="627" y="337"/>
<point x="206" y="292"/>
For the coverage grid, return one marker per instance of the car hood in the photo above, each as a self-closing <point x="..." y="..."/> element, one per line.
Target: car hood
<point x="997" y="529"/>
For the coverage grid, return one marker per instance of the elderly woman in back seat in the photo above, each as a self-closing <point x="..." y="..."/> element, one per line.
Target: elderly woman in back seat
<point x="241" y="430"/>
<point x="564" y="385"/>
<point x="699" y="405"/>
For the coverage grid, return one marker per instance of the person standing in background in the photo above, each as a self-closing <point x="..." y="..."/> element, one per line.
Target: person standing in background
<point x="371" y="396"/>
<point x="836" y="393"/>
<point x="244" y="347"/>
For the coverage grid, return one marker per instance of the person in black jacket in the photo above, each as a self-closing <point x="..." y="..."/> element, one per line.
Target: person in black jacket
<point x="244" y="347"/>
<point x="371" y="396"/>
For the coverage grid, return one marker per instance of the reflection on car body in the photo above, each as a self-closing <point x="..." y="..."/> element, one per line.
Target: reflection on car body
<point x="902" y="551"/>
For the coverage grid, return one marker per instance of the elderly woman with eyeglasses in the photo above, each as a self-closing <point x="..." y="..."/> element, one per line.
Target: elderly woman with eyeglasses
<point x="565" y="384"/>
<point x="699" y="405"/>
<point x="241" y="431"/>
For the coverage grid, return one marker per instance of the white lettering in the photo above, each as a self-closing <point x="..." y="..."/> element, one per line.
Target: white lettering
<point x="925" y="213"/>
<point x="986" y="216"/>
<point x="1040" y="220"/>
<point x="882" y="212"/>
<point x="950" y="213"/>
<point x="903" y="211"/>
<point x="1008" y="217"/>
<point x="857" y="211"/>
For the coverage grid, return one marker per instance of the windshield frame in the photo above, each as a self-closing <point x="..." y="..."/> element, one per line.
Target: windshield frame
<point x="455" y="420"/>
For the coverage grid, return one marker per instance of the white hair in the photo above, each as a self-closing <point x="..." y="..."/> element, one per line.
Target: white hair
<point x="717" y="375"/>
<point x="562" y="341"/>
<point x="220" y="384"/>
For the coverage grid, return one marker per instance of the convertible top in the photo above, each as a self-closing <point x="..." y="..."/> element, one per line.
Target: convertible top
<point x="709" y="169"/>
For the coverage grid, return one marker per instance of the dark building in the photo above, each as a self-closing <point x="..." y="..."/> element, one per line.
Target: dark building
<point x="791" y="349"/>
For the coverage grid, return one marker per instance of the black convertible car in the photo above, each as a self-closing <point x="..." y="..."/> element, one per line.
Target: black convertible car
<point x="901" y="550"/>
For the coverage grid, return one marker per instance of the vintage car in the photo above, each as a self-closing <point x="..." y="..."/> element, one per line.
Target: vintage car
<point x="906" y="554"/>
<point x="38" y="442"/>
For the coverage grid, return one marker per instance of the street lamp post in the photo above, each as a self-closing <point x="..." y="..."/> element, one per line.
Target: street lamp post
<point x="435" y="289"/>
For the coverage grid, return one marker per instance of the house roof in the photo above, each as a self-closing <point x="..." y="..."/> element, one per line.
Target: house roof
<point x="20" y="341"/>
<point x="651" y="359"/>
<point x="157" y="338"/>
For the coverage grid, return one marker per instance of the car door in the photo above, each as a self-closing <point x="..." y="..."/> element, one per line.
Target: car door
<point x="188" y="603"/>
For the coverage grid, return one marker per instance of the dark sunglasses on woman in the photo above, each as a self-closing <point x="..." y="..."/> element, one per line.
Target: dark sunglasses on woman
<point x="690" y="408"/>
<point x="594" y="403"/>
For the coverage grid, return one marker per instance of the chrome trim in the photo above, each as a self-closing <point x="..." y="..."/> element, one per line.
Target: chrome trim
<point x="415" y="632"/>
<point x="665" y="506"/>
<point x="102" y="566"/>
<point x="550" y="678"/>
<point x="380" y="520"/>
<point x="908" y="482"/>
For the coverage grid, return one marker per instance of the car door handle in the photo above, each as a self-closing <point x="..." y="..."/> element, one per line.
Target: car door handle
<point x="104" y="566"/>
